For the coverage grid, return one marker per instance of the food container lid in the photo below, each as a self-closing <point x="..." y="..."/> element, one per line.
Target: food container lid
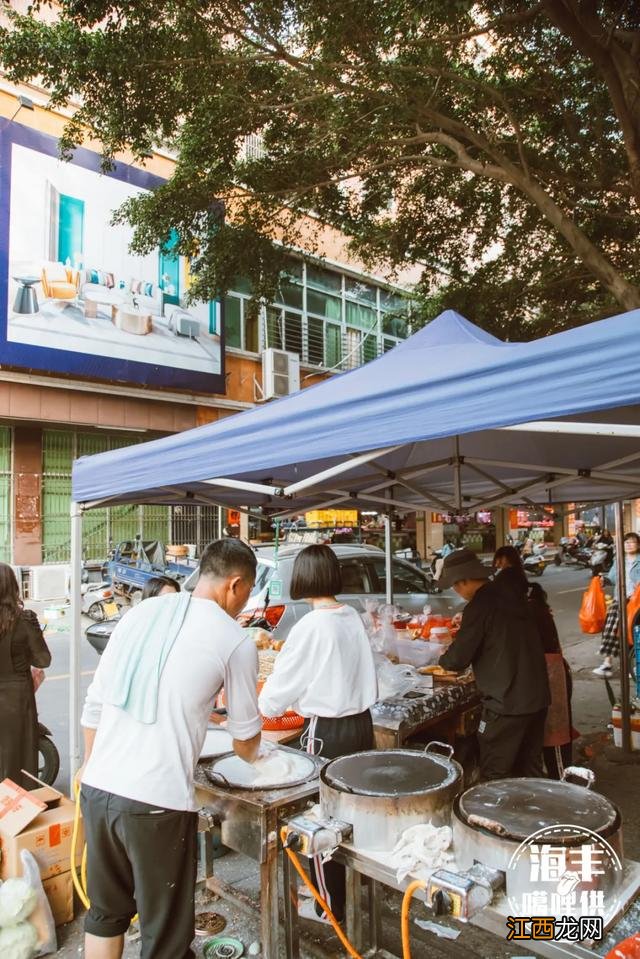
<point x="391" y="772"/>
<point x="521" y="807"/>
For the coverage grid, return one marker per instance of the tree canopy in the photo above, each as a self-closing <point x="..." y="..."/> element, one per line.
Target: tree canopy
<point x="497" y="144"/>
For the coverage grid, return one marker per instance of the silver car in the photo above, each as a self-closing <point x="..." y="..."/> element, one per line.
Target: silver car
<point x="363" y="578"/>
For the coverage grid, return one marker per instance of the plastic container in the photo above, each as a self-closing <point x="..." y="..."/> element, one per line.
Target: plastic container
<point x="417" y="652"/>
<point x="440" y="634"/>
<point x="616" y="718"/>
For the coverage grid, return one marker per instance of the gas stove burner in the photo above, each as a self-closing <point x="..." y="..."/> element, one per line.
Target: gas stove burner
<point x="223" y="947"/>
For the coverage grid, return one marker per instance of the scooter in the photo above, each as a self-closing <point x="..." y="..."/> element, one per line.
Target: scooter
<point x="571" y="553"/>
<point x="601" y="558"/>
<point x="98" y="602"/>
<point x="48" y="756"/>
<point x="535" y="564"/>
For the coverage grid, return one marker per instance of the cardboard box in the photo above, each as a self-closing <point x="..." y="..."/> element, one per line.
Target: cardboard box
<point x="59" y="892"/>
<point x="47" y="833"/>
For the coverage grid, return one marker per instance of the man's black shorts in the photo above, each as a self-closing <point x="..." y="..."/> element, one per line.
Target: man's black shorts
<point x="140" y="859"/>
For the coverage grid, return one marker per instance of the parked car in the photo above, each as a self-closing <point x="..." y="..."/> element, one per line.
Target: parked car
<point x="363" y="578"/>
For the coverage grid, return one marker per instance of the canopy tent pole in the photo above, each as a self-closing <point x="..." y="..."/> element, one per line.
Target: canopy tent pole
<point x="625" y="706"/>
<point x="74" y="644"/>
<point x="388" y="552"/>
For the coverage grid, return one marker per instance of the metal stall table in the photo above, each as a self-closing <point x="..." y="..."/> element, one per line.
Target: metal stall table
<point x="249" y="821"/>
<point x="447" y="706"/>
<point x="362" y="866"/>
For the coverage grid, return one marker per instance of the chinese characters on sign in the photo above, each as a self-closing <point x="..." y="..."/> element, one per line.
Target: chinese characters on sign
<point x="566" y="927"/>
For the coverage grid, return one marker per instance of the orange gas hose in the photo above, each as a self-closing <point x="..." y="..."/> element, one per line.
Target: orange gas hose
<point x="404" y="915"/>
<point x="318" y="898"/>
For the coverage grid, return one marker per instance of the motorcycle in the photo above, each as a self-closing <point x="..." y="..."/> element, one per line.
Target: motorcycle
<point x="48" y="756"/>
<point x="98" y="602"/>
<point x="572" y="553"/>
<point x="602" y="556"/>
<point x="533" y="563"/>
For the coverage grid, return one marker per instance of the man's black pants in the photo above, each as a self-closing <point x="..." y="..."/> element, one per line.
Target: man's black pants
<point x="140" y="858"/>
<point x="511" y="745"/>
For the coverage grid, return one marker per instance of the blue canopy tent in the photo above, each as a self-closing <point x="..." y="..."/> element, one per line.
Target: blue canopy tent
<point x="451" y="419"/>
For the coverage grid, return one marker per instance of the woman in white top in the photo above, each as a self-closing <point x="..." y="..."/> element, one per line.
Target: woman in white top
<point x="326" y="672"/>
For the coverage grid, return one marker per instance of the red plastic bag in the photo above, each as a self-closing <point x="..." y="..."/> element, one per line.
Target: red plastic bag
<point x="593" y="610"/>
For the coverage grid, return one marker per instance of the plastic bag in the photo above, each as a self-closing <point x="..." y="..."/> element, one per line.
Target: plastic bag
<point x="593" y="610"/>
<point x="41" y="917"/>
<point x="394" y="679"/>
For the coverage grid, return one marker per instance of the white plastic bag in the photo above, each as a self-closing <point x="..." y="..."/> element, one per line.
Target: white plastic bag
<point x="394" y="679"/>
<point x="41" y="917"/>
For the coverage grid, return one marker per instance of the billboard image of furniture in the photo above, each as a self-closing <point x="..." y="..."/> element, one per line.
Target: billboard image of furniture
<point x="100" y="307"/>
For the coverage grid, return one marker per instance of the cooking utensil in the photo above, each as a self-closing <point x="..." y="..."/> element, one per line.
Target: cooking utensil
<point x="223" y="947"/>
<point x="492" y="821"/>
<point x="383" y="792"/>
<point x="231" y="772"/>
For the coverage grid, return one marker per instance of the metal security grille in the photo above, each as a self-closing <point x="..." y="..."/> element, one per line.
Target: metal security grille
<point x="194" y="524"/>
<point x="103" y="527"/>
<point x="5" y="495"/>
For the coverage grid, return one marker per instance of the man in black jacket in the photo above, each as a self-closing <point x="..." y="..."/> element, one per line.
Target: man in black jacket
<point x="499" y="639"/>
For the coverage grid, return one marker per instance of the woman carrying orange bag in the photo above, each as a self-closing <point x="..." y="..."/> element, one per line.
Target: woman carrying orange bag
<point x="610" y="639"/>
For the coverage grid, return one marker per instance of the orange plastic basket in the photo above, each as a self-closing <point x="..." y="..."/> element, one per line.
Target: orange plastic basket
<point x="278" y="724"/>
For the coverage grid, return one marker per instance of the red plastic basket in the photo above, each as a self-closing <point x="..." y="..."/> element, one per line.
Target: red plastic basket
<point x="277" y="724"/>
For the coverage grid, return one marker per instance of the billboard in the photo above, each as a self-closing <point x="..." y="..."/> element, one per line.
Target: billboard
<point x="73" y="298"/>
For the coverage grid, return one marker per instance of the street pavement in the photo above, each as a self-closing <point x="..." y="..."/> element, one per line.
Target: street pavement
<point x="591" y="716"/>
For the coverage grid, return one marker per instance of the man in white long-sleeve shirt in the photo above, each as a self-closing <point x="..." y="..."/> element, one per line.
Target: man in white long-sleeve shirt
<point x="145" y="720"/>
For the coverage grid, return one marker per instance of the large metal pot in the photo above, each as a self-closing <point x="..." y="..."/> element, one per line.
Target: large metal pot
<point x="383" y="792"/>
<point x="512" y="824"/>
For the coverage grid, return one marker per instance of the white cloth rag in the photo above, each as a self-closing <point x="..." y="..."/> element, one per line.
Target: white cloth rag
<point x="421" y="850"/>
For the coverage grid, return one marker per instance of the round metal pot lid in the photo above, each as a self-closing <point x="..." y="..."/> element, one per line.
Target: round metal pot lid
<point x="283" y="770"/>
<point x="517" y="808"/>
<point x="390" y="772"/>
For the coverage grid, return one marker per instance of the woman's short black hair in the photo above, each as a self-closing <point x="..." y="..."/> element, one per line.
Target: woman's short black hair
<point x="632" y="536"/>
<point x="511" y="554"/>
<point x="316" y="572"/>
<point x="154" y="586"/>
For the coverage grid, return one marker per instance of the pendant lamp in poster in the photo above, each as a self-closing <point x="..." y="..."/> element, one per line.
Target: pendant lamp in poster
<point x="74" y="299"/>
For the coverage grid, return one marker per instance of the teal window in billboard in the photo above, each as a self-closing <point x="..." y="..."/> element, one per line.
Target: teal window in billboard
<point x="70" y="229"/>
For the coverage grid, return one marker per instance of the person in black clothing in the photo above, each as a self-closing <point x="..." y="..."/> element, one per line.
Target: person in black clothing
<point x="22" y="646"/>
<point x="499" y="639"/>
<point x="557" y="750"/>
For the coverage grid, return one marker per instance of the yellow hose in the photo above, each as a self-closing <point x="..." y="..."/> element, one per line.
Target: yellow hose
<point x="318" y="898"/>
<point x="80" y="881"/>
<point x="404" y="915"/>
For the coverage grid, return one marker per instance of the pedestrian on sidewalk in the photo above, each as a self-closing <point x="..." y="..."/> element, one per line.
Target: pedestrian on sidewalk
<point x="22" y="647"/>
<point x="144" y="722"/>
<point x="610" y="634"/>
<point x="499" y="639"/>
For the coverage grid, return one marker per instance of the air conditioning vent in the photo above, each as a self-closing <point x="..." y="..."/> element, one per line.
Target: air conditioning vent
<point x="280" y="373"/>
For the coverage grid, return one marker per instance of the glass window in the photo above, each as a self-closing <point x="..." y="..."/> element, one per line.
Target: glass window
<point x="251" y="330"/>
<point x="361" y="316"/>
<point x="233" y="321"/>
<point x="325" y="280"/>
<point x="293" y="333"/>
<point x="294" y="271"/>
<point x="315" y="341"/>
<point x="406" y="579"/>
<point x="290" y="294"/>
<point x="394" y="325"/>
<point x="355" y="577"/>
<point x="370" y="347"/>
<point x="242" y="285"/>
<point x="393" y="302"/>
<point x="333" y="336"/>
<point x="274" y="329"/>
<point x="324" y="305"/>
<point x="360" y="290"/>
<point x="388" y="345"/>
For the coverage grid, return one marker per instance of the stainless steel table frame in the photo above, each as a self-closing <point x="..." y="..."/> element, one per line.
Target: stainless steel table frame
<point x="249" y="823"/>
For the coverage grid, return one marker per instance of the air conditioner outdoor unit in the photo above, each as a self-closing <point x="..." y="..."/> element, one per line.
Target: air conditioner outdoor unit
<point x="280" y="373"/>
<point x="49" y="581"/>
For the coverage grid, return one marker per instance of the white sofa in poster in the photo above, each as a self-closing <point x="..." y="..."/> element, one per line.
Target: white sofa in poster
<point x="147" y="295"/>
